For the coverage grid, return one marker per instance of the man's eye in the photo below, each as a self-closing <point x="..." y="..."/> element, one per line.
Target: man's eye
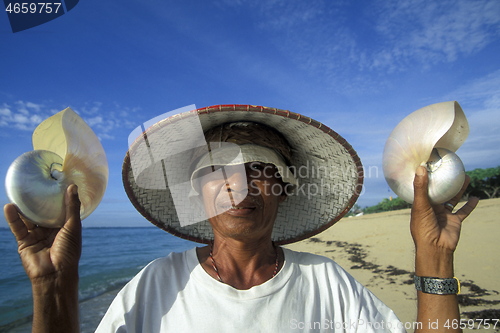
<point x="257" y="166"/>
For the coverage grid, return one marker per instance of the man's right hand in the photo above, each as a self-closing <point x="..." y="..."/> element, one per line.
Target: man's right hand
<point x="48" y="253"/>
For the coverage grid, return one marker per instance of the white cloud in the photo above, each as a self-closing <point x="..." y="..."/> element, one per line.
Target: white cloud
<point x="109" y="119"/>
<point x="433" y="32"/>
<point x="345" y="42"/>
<point x="284" y="15"/>
<point x="22" y="110"/>
<point x="480" y="100"/>
<point x="20" y="118"/>
<point x="483" y="92"/>
<point x="106" y="136"/>
<point x="25" y="116"/>
<point x="5" y="112"/>
<point x="91" y="108"/>
<point x="94" y="121"/>
<point x="36" y="119"/>
<point x="36" y="107"/>
<point x="25" y="107"/>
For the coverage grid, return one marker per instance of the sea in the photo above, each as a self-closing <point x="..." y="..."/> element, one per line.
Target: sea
<point x="110" y="258"/>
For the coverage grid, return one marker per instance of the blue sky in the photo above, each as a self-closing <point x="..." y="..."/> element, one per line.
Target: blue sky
<point x="357" y="66"/>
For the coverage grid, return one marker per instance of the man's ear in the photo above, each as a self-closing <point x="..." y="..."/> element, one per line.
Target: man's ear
<point x="287" y="188"/>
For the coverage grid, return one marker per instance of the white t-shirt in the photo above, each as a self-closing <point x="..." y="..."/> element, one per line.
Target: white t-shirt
<point x="310" y="293"/>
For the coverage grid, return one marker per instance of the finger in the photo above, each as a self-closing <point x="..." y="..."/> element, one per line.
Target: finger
<point x="465" y="211"/>
<point x="449" y="205"/>
<point x="30" y="225"/>
<point x="73" y="204"/>
<point x="456" y="199"/>
<point x="16" y="224"/>
<point x="420" y="188"/>
<point x="421" y="209"/>
<point x="464" y="187"/>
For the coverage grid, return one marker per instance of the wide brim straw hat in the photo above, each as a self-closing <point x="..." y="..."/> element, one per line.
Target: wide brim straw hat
<point x="329" y="171"/>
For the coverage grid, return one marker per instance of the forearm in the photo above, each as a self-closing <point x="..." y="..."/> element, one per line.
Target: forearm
<point x="55" y="304"/>
<point x="437" y="313"/>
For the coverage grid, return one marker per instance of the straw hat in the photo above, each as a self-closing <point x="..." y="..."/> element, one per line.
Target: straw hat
<point x="157" y="172"/>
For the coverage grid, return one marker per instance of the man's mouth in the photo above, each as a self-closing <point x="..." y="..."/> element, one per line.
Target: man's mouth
<point x="240" y="209"/>
<point x="228" y="207"/>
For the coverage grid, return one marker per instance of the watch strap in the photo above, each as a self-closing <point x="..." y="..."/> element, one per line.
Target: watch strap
<point x="438" y="286"/>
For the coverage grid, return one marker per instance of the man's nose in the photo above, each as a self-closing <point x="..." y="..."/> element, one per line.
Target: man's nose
<point x="237" y="178"/>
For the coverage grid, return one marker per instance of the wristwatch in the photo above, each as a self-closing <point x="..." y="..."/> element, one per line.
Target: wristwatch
<point x="438" y="286"/>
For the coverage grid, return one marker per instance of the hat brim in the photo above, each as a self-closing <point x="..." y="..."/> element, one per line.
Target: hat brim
<point x="330" y="172"/>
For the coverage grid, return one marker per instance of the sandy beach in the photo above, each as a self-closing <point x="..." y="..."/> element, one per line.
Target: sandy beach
<point x="378" y="251"/>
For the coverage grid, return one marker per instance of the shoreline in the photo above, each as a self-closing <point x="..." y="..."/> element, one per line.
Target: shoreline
<point x="92" y="310"/>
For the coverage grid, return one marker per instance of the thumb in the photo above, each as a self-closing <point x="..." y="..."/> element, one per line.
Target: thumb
<point x="420" y="187"/>
<point x="72" y="208"/>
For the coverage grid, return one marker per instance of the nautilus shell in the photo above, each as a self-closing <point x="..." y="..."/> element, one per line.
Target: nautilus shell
<point x="66" y="151"/>
<point x="429" y="136"/>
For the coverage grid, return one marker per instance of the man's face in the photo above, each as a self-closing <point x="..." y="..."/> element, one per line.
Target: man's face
<point x="244" y="204"/>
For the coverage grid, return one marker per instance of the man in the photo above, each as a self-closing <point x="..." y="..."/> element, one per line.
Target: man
<point x="243" y="280"/>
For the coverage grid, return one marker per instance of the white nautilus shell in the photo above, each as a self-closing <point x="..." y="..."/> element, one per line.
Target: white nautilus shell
<point x="429" y="136"/>
<point x="66" y="151"/>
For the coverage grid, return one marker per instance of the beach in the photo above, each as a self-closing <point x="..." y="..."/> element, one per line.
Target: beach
<point x="377" y="250"/>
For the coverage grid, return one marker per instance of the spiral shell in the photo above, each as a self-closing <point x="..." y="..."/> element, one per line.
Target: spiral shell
<point x="429" y="136"/>
<point x="66" y="151"/>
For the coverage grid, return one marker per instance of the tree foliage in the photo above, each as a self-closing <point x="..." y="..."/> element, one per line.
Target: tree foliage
<point x="484" y="183"/>
<point x="387" y="205"/>
<point x="355" y="210"/>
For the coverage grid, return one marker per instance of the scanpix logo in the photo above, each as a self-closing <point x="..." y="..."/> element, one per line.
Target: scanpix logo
<point x="28" y="14"/>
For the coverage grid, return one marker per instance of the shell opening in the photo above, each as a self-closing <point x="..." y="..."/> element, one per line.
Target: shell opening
<point x="434" y="161"/>
<point x="56" y="171"/>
